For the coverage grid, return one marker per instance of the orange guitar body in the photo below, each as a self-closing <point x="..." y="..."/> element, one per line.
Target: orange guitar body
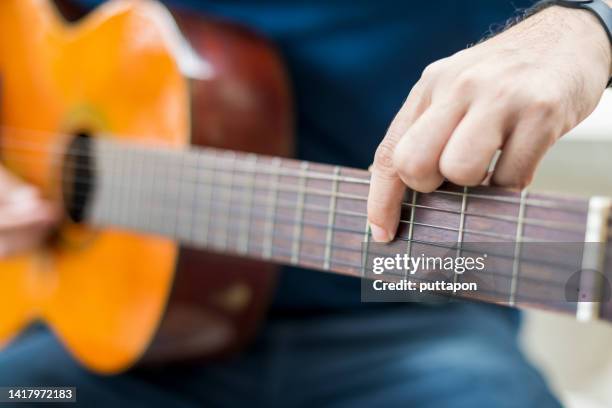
<point x="116" y="298"/>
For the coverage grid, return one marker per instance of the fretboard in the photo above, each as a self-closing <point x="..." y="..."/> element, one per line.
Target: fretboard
<point x="314" y="216"/>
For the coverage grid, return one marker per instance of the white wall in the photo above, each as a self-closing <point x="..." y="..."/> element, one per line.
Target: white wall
<point x="576" y="357"/>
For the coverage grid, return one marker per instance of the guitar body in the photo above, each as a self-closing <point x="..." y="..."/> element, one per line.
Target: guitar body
<point x="113" y="297"/>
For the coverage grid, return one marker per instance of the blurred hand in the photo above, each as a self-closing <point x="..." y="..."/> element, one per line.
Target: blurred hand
<point x="25" y="218"/>
<point x="518" y="92"/>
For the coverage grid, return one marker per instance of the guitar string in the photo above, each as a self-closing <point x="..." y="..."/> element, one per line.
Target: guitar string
<point x="287" y="221"/>
<point x="283" y="255"/>
<point x="267" y="169"/>
<point x="278" y="235"/>
<point x="290" y="205"/>
<point x="480" y="292"/>
<point x="286" y="238"/>
<point x="404" y="221"/>
<point x="501" y="296"/>
<point x="553" y="225"/>
<point x="327" y="226"/>
<point x="367" y="182"/>
<point x="280" y="254"/>
<point x="311" y="174"/>
<point x="285" y="188"/>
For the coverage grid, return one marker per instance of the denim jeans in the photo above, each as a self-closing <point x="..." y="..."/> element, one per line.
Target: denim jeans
<point x="459" y="355"/>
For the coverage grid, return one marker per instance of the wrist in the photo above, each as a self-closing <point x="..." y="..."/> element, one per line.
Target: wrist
<point x="609" y="3"/>
<point x="585" y="25"/>
<point x="555" y="25"/>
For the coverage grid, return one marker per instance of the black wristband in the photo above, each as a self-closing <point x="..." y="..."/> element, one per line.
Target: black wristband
<point x="598" y="8"/>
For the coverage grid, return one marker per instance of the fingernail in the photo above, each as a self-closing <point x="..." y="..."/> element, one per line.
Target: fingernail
<point x="379" y="234"/>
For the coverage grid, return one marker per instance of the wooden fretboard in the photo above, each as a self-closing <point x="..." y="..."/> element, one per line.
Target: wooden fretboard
<point x="314" y="216"/>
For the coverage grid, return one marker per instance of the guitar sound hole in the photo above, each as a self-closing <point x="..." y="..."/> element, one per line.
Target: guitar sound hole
<point x="77" y="177"/>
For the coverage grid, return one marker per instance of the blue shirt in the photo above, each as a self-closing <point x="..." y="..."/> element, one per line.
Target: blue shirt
<point x="352" y="63"/>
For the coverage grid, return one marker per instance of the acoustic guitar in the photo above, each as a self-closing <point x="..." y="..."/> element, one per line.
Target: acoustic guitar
<point x="168" y="248"/>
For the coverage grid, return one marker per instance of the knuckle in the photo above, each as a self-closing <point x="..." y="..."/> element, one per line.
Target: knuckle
<point x="523" y="181"/>
<point x="519" y="164"/>
<point x="413" y="168"/>
<point x="549" y="136"/>
<point x="517" y="173"/>
<point x="383" y="158"/>
<point x="465" y="83"/>
<point x="426" y="185"/>
<point x="514" y="180"/>
<point x="460" y="172"/>
<point x="433" y="70"/>
<point x="421" y="178"/>
<point x="544" y="107"/>
<point x="544" y="113"/>
<point x="506" y="91"/>
<point x="415" y="171"/>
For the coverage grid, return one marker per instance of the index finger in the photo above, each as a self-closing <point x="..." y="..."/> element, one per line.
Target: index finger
<point x="386" y="188"/>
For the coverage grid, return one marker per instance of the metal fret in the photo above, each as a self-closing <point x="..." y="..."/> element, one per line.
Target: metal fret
<point x="113" y="185"/>
<point x="190" y="232"/>
<point x="272" y="199"/>
<point x="139" y="181"/>
<point x="206" y="212"/>
<point x="169" y="195"/>
<point x="182" y="181"/>
<point x="135" y="174"/>
<point x="411" y="225"/>
<point x="331" y="219"/>
<point x="593" y="257"/>
<point x="517" y="248"/>
<point x="224" y="219"/>
<point x="299" y="215"/>
<point x="364" y="254"/>
<point x="243" y="244"/>
<point x="167" y="224"/>
<point x="124" y="212"/>
<point x="122" y="199"/>
<point x="149" y="213"/>
<point x="464" y="197"/>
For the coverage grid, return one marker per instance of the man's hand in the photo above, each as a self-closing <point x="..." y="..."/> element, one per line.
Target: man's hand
<point x="25" y="218"/>
<point x="518" y="92"/>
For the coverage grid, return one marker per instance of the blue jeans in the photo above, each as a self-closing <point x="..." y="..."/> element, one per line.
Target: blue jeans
<point x="457" y="355"/>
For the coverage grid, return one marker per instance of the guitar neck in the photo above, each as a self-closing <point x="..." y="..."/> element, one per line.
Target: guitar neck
<point x="314" y="216"/>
